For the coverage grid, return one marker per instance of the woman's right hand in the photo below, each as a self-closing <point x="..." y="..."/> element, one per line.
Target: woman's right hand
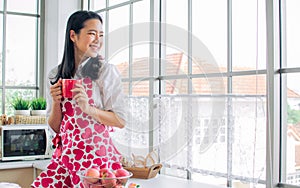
<point x="56" y="92"/>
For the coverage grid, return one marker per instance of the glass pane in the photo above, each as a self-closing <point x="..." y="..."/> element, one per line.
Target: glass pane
<point x="136" y="133"/>
<point x="173" y="132"/>
<point x="249" y="38"/>
<point x="173" y="172"/>
<point x="291" y="125"/>
<point x="209" y="179"/>
<point x="28" y="6"/>
<point x="175" y="30"/>
<point x="1" y="102"/>
<point x="176" y="86"/>
<point x="210" y="39"/>
<point x="174" y="63"/>
<point x="172" y="13"/>
<point x="115" y="2"/>
<point x="249" y="85"/>
<point x="121" y="60"/>
<point x="292" y="33"/>
<point x="21" y="51"/>
<point x="1" y="4"/>
<point x="140" y="88"/>
<point x="140" y="65"/>
<point x="97" y="4"/>
<point x="141" y="11"/>
<point x="141" y="38"/>
<point x="209" y="128"/>
<point x="209" y="85"/>
<point x="125" y="86"/>
<point x="118" y="34"/>
<point x="114" y="18"/>
<point x="179" y="158"/>
<point x="11" y="94"/>
<point x="102" y="50"/>
<point x="248" y="138"/>
<point x="1" y="50"/>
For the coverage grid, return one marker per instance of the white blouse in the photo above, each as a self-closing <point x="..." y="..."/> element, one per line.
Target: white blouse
<point x="107" y="89"/>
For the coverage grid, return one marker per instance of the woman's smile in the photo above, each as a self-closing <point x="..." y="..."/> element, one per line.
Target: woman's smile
<point x="95" y="47"/>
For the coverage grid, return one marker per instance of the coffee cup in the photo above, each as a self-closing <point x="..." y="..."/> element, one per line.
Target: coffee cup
<point x="67" y="86"/>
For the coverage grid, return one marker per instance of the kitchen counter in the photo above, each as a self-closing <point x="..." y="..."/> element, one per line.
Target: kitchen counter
<point x="160" y="181"/>
<point x="24" y="164"/>
<point x="163" y="181"/>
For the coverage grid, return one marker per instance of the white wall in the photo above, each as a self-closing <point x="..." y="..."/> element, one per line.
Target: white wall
<point x="57" y="13"/>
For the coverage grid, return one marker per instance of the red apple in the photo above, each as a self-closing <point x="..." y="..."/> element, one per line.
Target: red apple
<point x="94" y="173"/>
<point x="103" y="171"/>
<point x="119" y="186"/>
<point x="108" y="179"/>
<point x="121" y="172"/>
<point x="96" y="167"/>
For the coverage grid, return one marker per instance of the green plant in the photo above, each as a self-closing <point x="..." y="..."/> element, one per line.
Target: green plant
<point x="38" y="104"/>
<point x="293" y="115"/>
<point x="20" y="104"/>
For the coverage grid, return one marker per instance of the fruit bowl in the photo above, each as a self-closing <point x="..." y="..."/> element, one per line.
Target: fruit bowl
<point x="103" y="182"/>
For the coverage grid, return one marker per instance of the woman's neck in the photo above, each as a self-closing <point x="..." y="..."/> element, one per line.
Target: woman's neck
<point x="78" y="60"/>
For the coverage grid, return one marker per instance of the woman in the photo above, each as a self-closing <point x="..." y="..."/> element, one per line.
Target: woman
<point x="83" y="123"/>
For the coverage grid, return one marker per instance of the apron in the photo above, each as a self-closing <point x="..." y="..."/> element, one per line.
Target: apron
<point x="81" y="144"/>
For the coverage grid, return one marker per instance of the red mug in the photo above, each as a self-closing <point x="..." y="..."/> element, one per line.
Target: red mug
<point x="67" y="86"/>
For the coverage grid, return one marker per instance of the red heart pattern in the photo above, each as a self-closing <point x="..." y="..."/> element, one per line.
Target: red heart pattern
<point x="58" y="184"/>
<point x="99" y="128"/>
<point x="81" y="145"/>
<point x="78" y="154"/>
<point x="52" y="166"/>
<point x="87" y="133"/>
<point x="82" y="123"/>
<point x="85" y="143"/>
<point x="101" y="151"/>
<point x="97" y="161"/>
<point x="46" y="182"/>
<point x="97" y="139"/>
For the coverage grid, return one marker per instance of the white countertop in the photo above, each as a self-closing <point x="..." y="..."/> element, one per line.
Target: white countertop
<point x="163" y="181"/>
<point x="40" y="164"/>
<point x="160" y="181"/>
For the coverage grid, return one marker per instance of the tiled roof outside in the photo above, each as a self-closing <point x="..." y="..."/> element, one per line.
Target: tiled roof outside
<point x="176" y="63"/>
<point x="294" y="131"/>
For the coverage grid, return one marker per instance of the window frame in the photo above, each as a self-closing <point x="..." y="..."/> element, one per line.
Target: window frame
<point x="281" y="73"/>
<point x="39" y="60"/>
<point x="274" y="73"/>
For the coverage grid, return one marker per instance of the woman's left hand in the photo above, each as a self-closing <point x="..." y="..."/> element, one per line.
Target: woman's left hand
<point x="80" y="96"/>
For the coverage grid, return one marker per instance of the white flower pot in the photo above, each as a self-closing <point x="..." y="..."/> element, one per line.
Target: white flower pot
<point x="22" y="112"/>
<point x="38" y="112"/>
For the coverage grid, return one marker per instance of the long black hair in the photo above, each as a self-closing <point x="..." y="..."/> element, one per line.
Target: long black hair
<point x="67" y="67"/>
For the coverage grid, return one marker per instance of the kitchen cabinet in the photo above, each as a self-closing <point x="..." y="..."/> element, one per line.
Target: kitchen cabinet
<point x="20" y="176"/>
<point x="21" y="172"/>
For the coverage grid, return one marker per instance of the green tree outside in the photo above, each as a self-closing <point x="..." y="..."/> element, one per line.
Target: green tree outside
<point x="293" y="116"/>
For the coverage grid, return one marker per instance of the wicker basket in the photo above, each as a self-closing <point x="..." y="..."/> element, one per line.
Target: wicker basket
<point x="30" y="119"/>
<point x="144" y="173"/>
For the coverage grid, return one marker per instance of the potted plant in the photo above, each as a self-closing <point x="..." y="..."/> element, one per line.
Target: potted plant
<point x="21" y="106"/>
<point x="38" y="106"/>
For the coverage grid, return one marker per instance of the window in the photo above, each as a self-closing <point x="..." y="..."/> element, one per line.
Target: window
<point x="20" y="49"/>
<point x="196" y="75"/>
<point x="290" y="92"/>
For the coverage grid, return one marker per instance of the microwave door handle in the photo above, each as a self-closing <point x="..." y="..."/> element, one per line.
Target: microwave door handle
<point x="48" y="143"/>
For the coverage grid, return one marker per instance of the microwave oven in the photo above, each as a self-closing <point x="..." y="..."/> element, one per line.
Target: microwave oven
<point x="25" y="142"/>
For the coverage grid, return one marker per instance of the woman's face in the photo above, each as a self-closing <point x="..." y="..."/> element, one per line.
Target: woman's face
<point x="88" y="41"/>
